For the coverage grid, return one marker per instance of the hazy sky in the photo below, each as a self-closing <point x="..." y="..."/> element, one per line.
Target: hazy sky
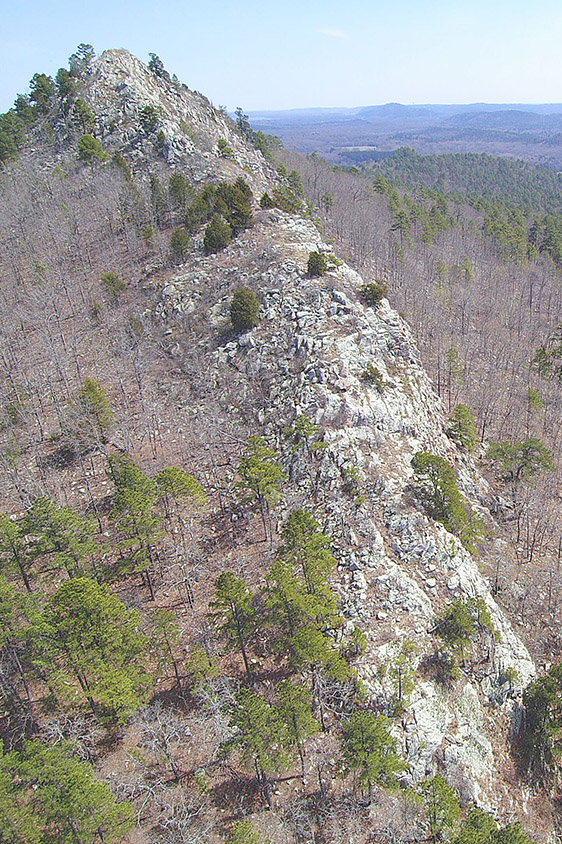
<point x="310" y="53"/>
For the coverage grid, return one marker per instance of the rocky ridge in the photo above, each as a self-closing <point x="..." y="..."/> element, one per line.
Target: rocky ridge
<point x="398" y="568"/>
<point x="120" y="86"/>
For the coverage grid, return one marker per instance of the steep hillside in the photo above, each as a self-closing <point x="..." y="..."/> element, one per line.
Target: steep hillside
<point x="479" y="283"/>
<point x="120" y="358"/>
<point x="120" y="88"/>
<point x="398" y="569"/>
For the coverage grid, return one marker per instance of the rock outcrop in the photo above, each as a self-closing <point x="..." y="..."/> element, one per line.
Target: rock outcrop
<point x="121" y="86"/>
<point x="398" y="568"/>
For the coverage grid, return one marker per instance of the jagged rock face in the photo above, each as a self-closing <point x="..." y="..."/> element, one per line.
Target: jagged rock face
<point x="121" y="86"/>
<point x="398" y="568"/>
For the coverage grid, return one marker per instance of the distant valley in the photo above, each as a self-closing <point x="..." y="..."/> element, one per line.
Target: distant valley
<point x="352" y="135"/>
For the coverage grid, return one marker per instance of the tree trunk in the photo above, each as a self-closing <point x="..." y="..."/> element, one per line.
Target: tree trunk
<point x="266" y="788"/>
<point x="264" y="517"/>
<point x="149" y="584"/>
<point x="242" y="646"/>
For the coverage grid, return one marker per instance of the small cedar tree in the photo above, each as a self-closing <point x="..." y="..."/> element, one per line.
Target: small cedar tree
<point x="223" y="149"/>
<point x="179" y="245"/>
<point x="90" y="150"/>
<point x="113" y="284"/>
<point x="317" y="265"/>
<point x="148" y="118"/>
<point x="83" y="116"/>
<point x="179" y="189"/>
<point x="373" y="293"/>
<point x="244" y="309"/>
<point x="218" y="235"/>
<point x="244" y="833"/>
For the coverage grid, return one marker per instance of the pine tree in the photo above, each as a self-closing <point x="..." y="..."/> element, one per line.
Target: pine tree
<point x="134" y="517"/>
<point x="369" y="749"/>
<point x="233" y="201"/>
<point x="303" y="435"/>
<point x="260" y="476"/>
<point x="14" y="552"/>
<point x="313" y="651"/>
<point x="47" y="795"/>
<point x="179" y="486"/>
<point x="441" y="805"/>
<point x="373" y="293"/>
<point x="261" y="737"/>
<point x="113" y="285"/>
<point x="441" y="498"/>
<point x="462" y="428"/>
<point x="295" y="708"/>
<point x="179" y="189"/>
<point x="307" y="549"/>
<point x="520" y="461"/>
<point x="83" y="116"/>
<point x="299" y="593"/>
<point x="243" y="124"/>
<point x="165" y="636"/>
<point x="42" y="92"/>
<point x="234" y="611"/>
<point x="286" y="597"/>
<point x="86" y="634"/>
<point x="96" y="414"/>
<point x="460" y="622"/>
<point x="156" y="65"/>
<point x="81" y="61"/>
<point x="478" y="828"/>
<point x="540" y="746"/>
<point x="61" y="534"/>
<point x="18" y="613"/>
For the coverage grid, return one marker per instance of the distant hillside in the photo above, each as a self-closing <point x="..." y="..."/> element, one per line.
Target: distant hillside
<point x="513" y="119"/>
<point x="513" y="181"/>
<point x="527" y="131"/>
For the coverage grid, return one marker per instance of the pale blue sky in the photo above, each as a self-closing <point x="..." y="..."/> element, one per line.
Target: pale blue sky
<point x="303" y="54"/>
